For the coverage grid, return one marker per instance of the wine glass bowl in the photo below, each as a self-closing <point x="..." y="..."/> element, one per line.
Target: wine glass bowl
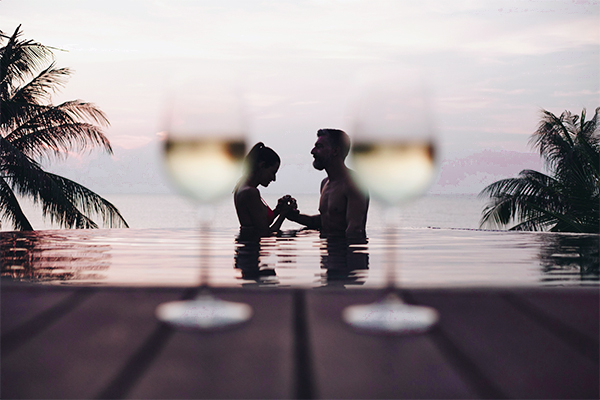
<point x="205" y="142"/>
<point x="394" y="159"/>
<point x="204" y="151"/>
<point x="395" y="171"/>
<point x="393" y="134"/>
<point x="204" y="168"/>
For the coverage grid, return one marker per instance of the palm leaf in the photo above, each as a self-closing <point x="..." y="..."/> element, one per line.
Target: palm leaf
<point x="512" y="199"/>
<point x="11" y="210"/>
<point x="18" y="61"/>
<point x="89" y="202"/>
<point x="38" y="90"/>
<point x="63" y="201"/>
<point x="56" y="130"/>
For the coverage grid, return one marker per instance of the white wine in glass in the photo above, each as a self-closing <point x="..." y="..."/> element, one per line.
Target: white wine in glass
<point x="394" y="159"/>
<point x="204" y="151"/>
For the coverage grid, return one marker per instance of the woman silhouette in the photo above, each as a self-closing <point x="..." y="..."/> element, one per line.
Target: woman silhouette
<point x="255" y="216"/>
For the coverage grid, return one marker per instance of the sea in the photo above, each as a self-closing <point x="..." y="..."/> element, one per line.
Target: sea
<point x="435" y="241"/>
<point x="170" y="211"/>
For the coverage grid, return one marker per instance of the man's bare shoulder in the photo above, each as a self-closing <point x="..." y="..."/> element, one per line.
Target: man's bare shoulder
<point x="324" y="182"/>
<point x="351" y="183"/>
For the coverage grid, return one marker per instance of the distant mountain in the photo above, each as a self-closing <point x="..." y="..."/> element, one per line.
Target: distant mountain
<point x="472" y="173"/>
<point x="139" y="170"/>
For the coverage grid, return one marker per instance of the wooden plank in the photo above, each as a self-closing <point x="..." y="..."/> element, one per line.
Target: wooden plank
<point x="251" y="361"/>
<point x="523" y="358"/>
<point x="578" y="308"/>
<point x="78" y="355"/>
<point x="573" y="317"/>
<point x="110" y="345"/>
<point x="21" y="304"/>
<point x="352" y="365"/>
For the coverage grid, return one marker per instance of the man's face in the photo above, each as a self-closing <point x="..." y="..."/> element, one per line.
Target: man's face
<point x="322" y="153"/>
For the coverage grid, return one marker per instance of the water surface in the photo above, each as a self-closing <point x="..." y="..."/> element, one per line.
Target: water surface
<point x="424" y="257"/>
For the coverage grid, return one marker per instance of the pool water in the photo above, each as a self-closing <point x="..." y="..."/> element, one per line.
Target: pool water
<point x="423" y="257"/>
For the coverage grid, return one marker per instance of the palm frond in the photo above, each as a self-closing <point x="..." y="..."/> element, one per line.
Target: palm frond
<point x="59" y="140"/>
<point x="19" y="59"/>
<point x="552" y="138"/>
<point x="512" y="199"/>
<point x="56" y="130"/>
<point x="89" y="202"/>
<point x="10" y="210"/>
<point x="28" y="179"/>
<point x="38" y="90"/>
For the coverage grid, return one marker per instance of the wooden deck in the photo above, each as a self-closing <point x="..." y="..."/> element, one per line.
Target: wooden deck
<point x="70" y="342"/>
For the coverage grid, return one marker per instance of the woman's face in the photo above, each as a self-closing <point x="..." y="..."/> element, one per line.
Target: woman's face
<point x="267" y="174"/>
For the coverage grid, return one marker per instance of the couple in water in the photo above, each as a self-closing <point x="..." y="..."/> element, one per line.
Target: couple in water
<point x="342" y="206"/>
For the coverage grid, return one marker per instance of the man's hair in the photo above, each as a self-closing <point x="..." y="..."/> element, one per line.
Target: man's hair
<point x="337" y="138"/>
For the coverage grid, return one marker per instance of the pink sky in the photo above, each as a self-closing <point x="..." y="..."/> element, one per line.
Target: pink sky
<point x="493" y="65"/>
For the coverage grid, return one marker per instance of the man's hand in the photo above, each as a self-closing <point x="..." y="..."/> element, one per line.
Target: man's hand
<point x="286" y="205"/>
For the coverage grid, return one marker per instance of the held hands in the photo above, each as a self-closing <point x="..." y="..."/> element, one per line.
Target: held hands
<point x="287" y="205"/>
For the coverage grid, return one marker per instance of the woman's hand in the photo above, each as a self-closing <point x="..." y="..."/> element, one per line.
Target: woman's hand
<point x="286" y="205"/>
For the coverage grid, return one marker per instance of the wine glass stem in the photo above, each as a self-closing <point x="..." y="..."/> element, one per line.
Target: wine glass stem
<point x="204" y="230"/>
<point x="391" y="244"/>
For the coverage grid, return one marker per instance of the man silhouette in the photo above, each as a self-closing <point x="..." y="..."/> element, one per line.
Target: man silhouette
<point x="342" y="206"/>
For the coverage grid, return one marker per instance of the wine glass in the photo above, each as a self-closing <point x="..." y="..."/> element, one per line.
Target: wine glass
<point x="393" y="156"/>
<point x="203" y="151"/>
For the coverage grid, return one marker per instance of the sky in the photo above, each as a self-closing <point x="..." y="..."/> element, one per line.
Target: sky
<point x="491" y="66"/>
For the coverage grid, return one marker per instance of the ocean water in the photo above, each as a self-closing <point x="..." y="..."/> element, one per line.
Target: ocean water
<point x="170" y="211"/>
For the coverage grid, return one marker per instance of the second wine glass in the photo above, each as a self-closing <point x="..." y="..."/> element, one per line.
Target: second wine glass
<point x="203" y="152"/>
<point x="394" y="158"/>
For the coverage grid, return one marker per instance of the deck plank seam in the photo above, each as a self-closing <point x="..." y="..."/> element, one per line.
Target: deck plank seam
<point x="473" y="376"/>
<point x="34" y="326"/>
<point x="580" y="342"/>
<point x="135" y="367"/>
<point x="303" y="371"/>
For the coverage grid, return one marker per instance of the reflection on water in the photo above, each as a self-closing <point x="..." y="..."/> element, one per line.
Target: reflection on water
<point x="343" y="262"/>
<point x="426" y="258"/>
<point x="52" y="256"/>
<point x="248" y="256"/>
<point x="570" y="256"/>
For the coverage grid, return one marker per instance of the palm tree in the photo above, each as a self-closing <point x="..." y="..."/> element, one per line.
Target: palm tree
<point x="566" y="200"/>
<point x="31" y="128"/>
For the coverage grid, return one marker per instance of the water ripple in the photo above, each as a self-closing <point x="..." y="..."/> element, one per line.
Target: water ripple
<point x="423" y="258"/>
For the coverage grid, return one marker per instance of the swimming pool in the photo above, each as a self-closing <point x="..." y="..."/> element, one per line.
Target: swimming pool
<point x="424" y="257"/>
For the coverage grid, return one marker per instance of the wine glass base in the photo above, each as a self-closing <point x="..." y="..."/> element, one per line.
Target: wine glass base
<point x="204" y="313"/>
<point x="390" y="316"/>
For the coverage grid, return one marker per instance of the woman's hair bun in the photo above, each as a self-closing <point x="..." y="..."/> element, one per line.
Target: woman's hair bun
<point x="261" y="153"/>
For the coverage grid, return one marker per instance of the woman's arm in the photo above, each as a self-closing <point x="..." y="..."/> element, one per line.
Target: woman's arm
<point x="276" y="226"/>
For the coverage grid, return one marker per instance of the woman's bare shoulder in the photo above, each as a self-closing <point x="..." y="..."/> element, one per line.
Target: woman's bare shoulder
<point x="247" y="192"/>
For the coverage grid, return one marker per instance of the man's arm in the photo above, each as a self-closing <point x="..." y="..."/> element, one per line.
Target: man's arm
<point x="310" y="221"/>
<point x="356" y="213"/>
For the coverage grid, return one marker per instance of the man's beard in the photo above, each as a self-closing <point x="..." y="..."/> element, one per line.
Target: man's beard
<point x="318" y="165"/>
